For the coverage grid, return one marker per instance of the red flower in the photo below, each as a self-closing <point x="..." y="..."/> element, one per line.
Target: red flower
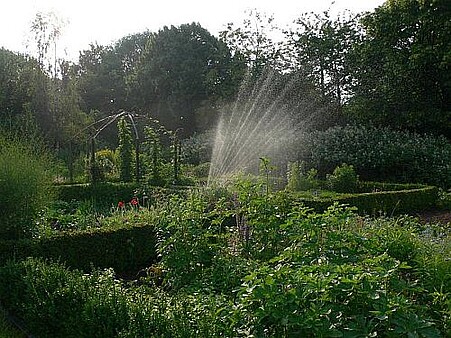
<point x="121" y="204"/>
<point x="134" y="201"/>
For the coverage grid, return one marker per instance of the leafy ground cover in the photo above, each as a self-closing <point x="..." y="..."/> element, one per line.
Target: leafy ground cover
<point x="244" y="262"/>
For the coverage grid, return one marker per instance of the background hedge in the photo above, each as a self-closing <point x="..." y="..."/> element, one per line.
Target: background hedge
<point x="379" y="154"/>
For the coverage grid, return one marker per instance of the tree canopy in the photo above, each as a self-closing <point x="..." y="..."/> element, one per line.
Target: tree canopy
<point x="389" y="67"/>
<point x="401" y="68"/>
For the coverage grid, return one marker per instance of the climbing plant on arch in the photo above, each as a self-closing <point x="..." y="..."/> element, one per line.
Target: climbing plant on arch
<point x="129" y="138"/>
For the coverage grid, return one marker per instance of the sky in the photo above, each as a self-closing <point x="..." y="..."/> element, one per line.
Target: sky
<point x="106" y="21"/>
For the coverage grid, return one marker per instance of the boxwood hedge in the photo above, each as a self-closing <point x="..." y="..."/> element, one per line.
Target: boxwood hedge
<point x="124" y="249"/>
<point x="413" y="199"/>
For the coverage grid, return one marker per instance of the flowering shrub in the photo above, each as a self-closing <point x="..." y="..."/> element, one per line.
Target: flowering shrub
<point x="380" y="154"/>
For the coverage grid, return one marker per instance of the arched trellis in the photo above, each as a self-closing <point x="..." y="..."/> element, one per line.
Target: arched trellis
<point x="103" y="123"/>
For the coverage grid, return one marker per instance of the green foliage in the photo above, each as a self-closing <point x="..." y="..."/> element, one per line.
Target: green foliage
<point x="321" y="45"/>
<point x="197" y="148"/>
<point x="153" y="148"/>
<point x="177" y="74"/>
<point x="374" y="203"/>
<point x="57" y="302"/>
<point x="343" y="179"/>
<point x="125" y="150"/>
<point x="22" y="89"/>
<point x="380" y="154"/>
<point x="7" y="330"/>
<point x="102" y="195"/>
<point x="294" y="273"/>
<point x="107" y="160"/>
<point x="251" y="43"/>
<point x="25" y="183"/>
<point x="124" y="241"/>
<point x="401" y="68"/>
<point x="300" y="180"/>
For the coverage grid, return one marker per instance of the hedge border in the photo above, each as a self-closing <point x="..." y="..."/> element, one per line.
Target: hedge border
<point x="126" y="250"/>
<point x="389" y="202"/>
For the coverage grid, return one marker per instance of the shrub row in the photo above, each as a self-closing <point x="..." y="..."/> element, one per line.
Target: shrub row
<point x="380" y="154"/>
<point x="125" y="249"/>
<point x="102" y="194"/>
<point x="366" y="186"/>
<point x="391" y="201"/>
<point x="106" y="195"/>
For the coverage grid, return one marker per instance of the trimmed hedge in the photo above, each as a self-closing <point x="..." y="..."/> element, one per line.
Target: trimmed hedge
<point x="125" y="250"/>
<point x="103" y="194"/>
<point x="392" y="201"/>
<point x="366" y="186"/>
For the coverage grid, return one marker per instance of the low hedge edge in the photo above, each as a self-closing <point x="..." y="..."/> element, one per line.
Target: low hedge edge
<point x="126" y="250"/>
<point x="391" y="202"/>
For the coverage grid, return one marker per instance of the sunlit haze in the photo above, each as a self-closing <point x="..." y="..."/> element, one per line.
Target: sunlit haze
<point x="103" y="22"/>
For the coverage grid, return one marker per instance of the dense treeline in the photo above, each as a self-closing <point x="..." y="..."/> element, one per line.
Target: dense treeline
<point x="390" y="68"/>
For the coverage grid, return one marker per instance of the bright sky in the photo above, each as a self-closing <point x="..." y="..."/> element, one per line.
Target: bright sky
<point x="105" y="21"/>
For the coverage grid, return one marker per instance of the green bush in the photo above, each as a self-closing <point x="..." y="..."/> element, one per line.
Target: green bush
<point x="57" y="302"/>
<point x="123" y="246"/>
<point x="380" y="154"/>
<point x="25" y="185"/>
<point x="343" y="179"/>
<point x="329" y="274"/>
<point x="107" y="160"/>
<point x="101" y="194"/>
<point x="298" y="179"/>
<point x="125" y="150"/>
<point x="375" y="203"/>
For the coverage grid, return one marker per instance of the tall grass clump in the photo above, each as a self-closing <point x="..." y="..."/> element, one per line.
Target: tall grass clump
<point x="25" y="186"/>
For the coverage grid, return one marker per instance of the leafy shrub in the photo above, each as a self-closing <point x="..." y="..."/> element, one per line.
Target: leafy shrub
<point x="197" y="148"/>
<point x="374" y="203"/>
<point x="380" y="154"/>
<point x="124" y="241"/>
<point x="328" y="274"/>
<point x="25" y="185"/>
<point x="197" y="171"/>
<point x="101" y="194"/>
<point x="107" y="161"/>
<point x="57" y="302"/>
<point x="343" y="179"/>
<point x="298" y="179"/>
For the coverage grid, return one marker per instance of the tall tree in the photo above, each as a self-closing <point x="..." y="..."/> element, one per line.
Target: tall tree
<point x="402" y="67"/>
<point x="181" y="68"/>
<point x="253" y="42"/>
<point x="101" y="82"/>
<point x="23" y="92"/>
<point x="106" y="73"/>
<point x="319" y="45"/>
